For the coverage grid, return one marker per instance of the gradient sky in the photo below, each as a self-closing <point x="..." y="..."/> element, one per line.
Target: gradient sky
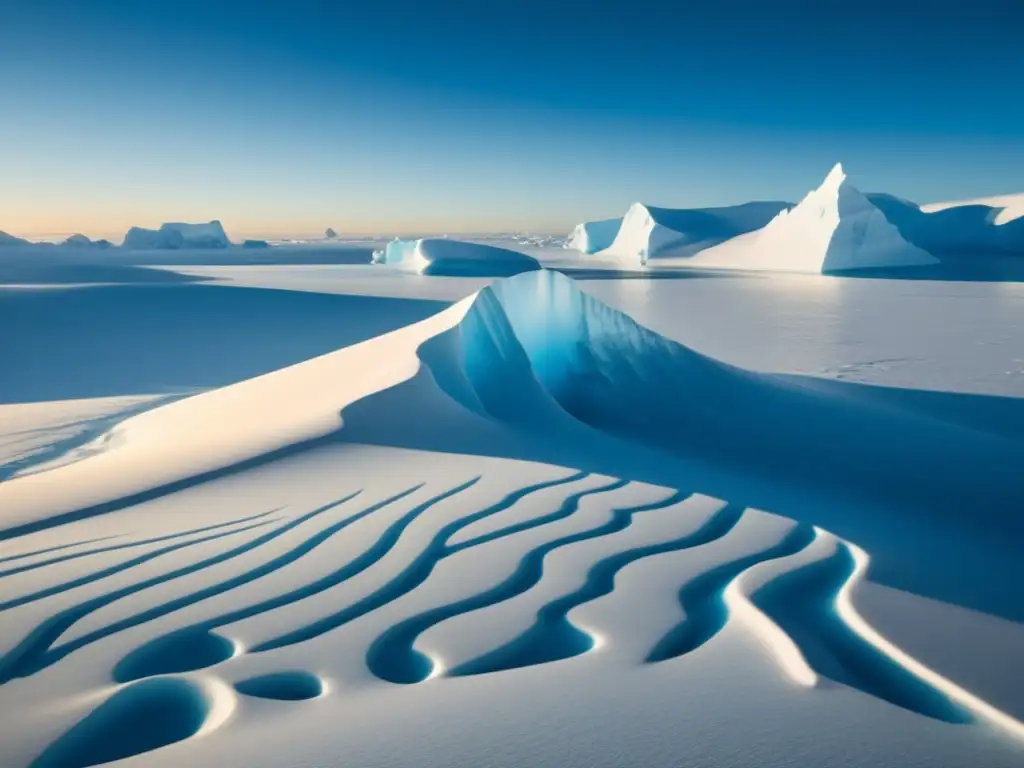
<point x="283" y="118"/>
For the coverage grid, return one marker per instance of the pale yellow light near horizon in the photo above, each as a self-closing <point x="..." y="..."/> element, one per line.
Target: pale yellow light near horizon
<point x="36" y="226"/>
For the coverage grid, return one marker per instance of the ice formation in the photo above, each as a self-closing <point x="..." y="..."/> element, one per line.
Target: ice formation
<point x="6" y="239"/>
<point x="593" y="236"/>
<point x="176" y="236"/>
<point x="648" y="232"/>
<point x="81" y="241"/>
<point x="1006" y="208"/>
<point x="835" y="228"/>
<point x="442" y="256"/>
<point x="991" y="226"/>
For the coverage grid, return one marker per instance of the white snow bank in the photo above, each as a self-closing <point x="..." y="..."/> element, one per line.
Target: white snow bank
<point x="177" y="235"/>
<point x="442" y="256"/>
<point x="648" y="232"/>
<point x="593" y="236"/>
<point x="834" y="228"/>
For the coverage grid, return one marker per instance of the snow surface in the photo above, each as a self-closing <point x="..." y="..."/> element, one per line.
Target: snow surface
<point x="648" y="232"/>
<point x="529" y="530"/>
<point x="593" y="236"/>
<point x="835" y="228"/>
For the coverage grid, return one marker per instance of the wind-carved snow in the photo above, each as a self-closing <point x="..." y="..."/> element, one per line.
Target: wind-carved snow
<point x="355" y="562"/>
<point x="649" y="233"/>
<point x="176" y="236"/>
<point x="593" y="236"/>
<point x="834" y="228"/>
<point x="444" y="256"/>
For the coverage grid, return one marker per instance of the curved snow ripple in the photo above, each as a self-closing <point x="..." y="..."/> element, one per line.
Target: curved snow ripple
<point x="283" y="686"/>
<point x="36" y="651"/>
<point x="703" y="598"/>
<point x="140" y="718"/>
<point x="805" y="617"/>
<point x="554" y="636"/>
<point x="393" y="656"/>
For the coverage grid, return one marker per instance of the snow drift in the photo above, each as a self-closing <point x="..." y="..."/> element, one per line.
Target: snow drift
<point x="174" y="236"/>
<point x="648" y="232"/>
<point x="593" y="236"/>
<point x="536" y="353"/>
<point x="835" y="228"/>
<point x="441" y="256"/>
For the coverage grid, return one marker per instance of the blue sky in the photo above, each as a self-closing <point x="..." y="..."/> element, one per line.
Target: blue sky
<point x="282" y="118"/>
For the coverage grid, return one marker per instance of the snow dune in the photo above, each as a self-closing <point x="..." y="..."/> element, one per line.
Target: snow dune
<point x="400" y="529"/>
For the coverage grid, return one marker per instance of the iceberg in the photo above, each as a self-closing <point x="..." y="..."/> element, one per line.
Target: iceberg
<point x="81" y="241"/>
<point x="174" y="235"/>
<point x="835" y="228"/>
<point x="1004" y="208"/>
<point x="593" y="236"/>
<point x="992" y="226"/>
<point x="648" y="232"/>
<point x="443" y="256"/>
<point x="8" y="240"/>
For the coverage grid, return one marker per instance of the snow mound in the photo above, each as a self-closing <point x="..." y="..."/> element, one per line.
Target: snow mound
<point x="175" y="235"/>
<point x="593" y="236"/>
<point x="535" y="354"/>
<point x="835" y="228"/>
<point x="648" y="232"/>
<point x="442" y="256"/>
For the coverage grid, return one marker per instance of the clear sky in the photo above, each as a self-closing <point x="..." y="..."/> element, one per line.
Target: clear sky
<point x="283" y="118"/>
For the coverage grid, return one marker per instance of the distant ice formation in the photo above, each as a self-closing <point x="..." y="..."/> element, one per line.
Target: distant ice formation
<point x="986" y="226"/>
<point x="6" y="240"/>
<point x="649" y="233"/>
<point x="835" y="228"/>
<point x="81" y="241"/>
<point x="1007" y="207"/>
<point x="255" y="244"/>
<point x="593" y="236"/>
<point x="176" y="236"/>
<point x="443" y="256"/>
<point x="330" y="234"/>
